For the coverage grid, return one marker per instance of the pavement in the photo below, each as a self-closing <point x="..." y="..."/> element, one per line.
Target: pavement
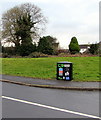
<point x="54" y="84"/>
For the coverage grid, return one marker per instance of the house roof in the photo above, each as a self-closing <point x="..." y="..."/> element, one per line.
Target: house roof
<point x="84" y="46"/>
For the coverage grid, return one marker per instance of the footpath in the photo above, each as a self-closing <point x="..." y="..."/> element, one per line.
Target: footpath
<point x="55" y="84"/>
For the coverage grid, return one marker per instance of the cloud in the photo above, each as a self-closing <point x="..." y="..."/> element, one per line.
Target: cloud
<point x="67" y="18"/>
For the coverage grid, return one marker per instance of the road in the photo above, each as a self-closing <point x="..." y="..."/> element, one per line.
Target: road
<point x="30" y="102"/>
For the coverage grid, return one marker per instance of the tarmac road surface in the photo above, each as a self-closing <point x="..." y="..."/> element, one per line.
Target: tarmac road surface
<point x="30" y="102"/>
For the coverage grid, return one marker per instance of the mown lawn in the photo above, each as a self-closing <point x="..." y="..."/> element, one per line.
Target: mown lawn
<point x="84" y="68"/>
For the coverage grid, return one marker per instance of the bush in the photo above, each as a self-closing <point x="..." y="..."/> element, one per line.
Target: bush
<point x="0" y="55"/>
<point x="74" y="46"/>
<point x="25" y="50"/>
<point x="37" y="54"/>
<point x="99" y="52"/>
<point x="8" y="50"/>
<point x="94" y="49"/>
<point x="16" y="56"/>
<point x="63" y="54"/>
<point x="6" y="55"/>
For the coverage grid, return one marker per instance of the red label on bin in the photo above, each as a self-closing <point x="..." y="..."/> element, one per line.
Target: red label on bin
<point x="60" y="71"/>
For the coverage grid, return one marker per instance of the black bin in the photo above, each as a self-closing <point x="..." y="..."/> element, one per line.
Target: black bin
<point x="64" y="71"/>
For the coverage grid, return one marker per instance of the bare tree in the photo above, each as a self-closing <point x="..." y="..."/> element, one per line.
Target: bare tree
<point x="10" y="22"/>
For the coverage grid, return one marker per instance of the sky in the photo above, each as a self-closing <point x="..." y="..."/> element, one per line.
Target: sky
<point x="66" y="19"/>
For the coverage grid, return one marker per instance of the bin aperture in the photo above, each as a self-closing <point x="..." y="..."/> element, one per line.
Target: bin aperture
<point x="64" y="71"/>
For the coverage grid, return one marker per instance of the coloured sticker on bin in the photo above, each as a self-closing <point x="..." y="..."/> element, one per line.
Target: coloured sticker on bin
<point x="67" y="78"/>
<point x="60" y="69"/>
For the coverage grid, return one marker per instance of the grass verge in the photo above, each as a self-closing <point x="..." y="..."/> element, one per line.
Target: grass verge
<point x="84" y="68"/>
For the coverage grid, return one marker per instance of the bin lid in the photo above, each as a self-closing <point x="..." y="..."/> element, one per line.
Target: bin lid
<point x="64" y="62"/>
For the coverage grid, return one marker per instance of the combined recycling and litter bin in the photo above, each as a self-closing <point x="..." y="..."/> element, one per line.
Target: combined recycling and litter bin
<point x="64" y="71"/>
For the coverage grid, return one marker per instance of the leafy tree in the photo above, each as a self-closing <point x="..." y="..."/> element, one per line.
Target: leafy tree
<point x="48" y="45"/>
<point x="74" y="46"/>
<point x="94" y="48"/>
<point x="53" y="43"/>
<point x="45" y="46"/>
<point x="52" y="40"/>
<point x="21" y="24"/>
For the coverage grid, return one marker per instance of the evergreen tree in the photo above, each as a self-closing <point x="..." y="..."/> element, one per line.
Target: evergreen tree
<point x="74" y="46"/>
<point x="24" y="25"/>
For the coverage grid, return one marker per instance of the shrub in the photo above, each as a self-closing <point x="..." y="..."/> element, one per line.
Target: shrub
<point x="94" y="49"/>
<point x="63" y="54"/>
<point x="74" y="46"/>
<point x="37" y="54"/>
<point x="25" y="50"/>
<point x="6" y="55"/>
<point x="0" y="55"/>
<point x="8" y="50"/>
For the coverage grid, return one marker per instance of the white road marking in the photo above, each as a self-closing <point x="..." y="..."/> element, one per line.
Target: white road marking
<point x="51" y="107"/>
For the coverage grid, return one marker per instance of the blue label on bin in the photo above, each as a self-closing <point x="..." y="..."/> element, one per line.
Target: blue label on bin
<point x="67" y="78"/>
<point x="60" y="69"/>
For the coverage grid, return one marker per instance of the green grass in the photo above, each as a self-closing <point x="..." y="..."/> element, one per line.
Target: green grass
<point x="84" y="68"/>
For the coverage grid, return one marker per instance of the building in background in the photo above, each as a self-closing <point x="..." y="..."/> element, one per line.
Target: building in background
<point x="84" y="47"/>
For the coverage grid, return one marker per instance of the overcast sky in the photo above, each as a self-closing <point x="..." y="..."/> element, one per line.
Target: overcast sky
<point x="66" y="18"/>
